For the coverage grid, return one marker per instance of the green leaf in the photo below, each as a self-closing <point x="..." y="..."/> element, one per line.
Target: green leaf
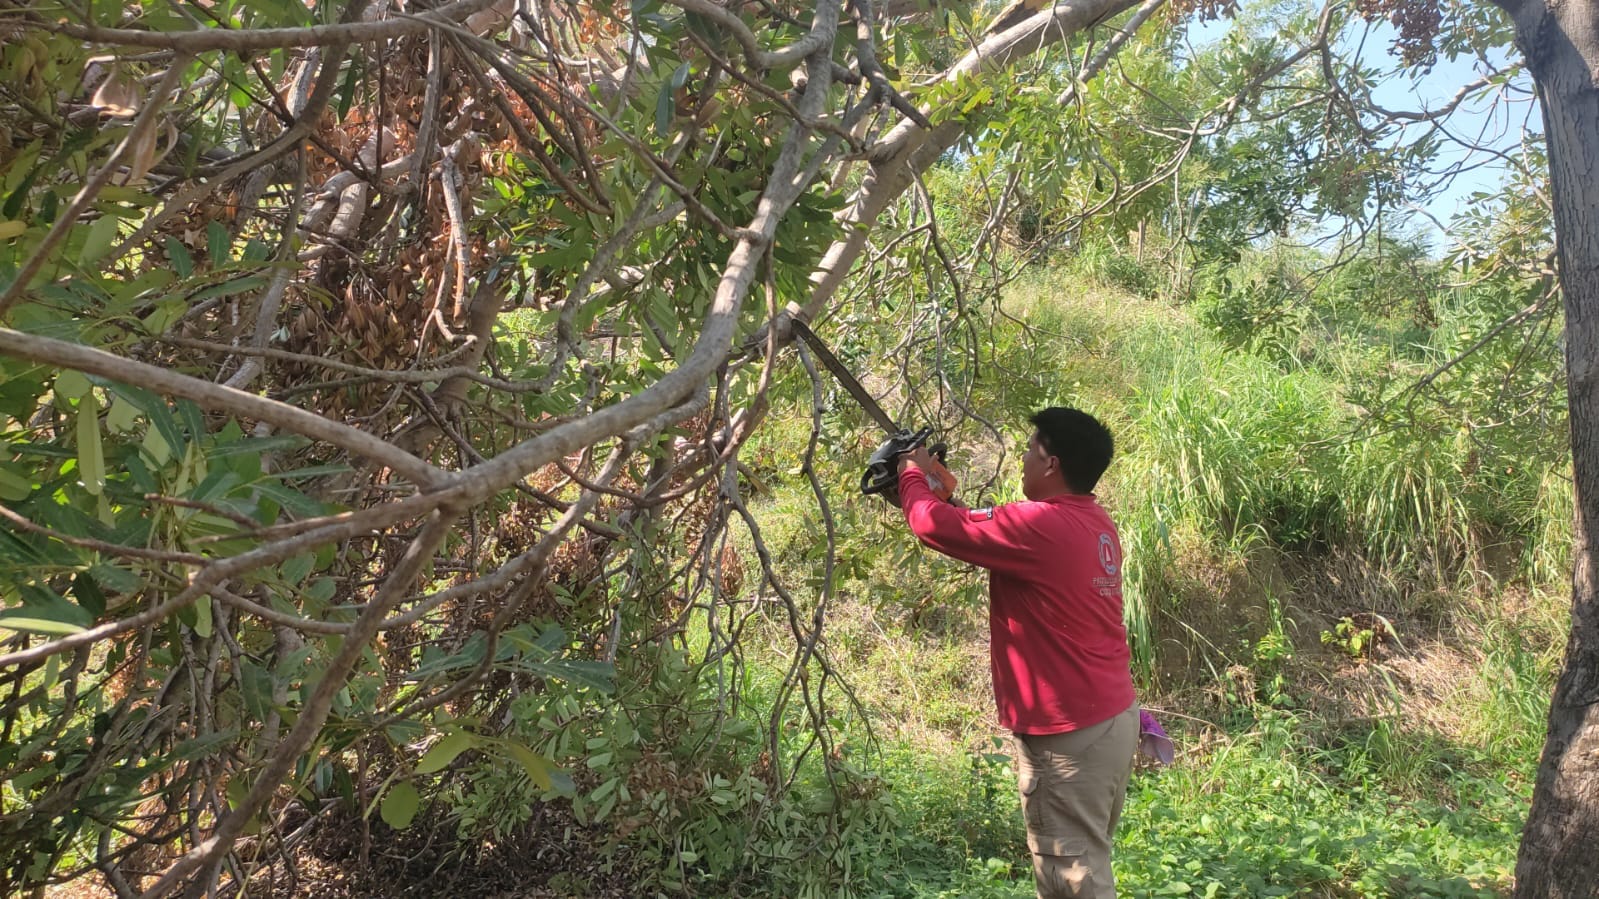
<point x="178" y="255"/>
<point x="229" y="287"/>
<point x="321" y="590"/>
<point x="164" y="316"/>
<point x="256" y="446"/>
<point x="217" y="243"/>
<point x="292" y="501"/>
<point x="91" y="454"/>
<point x="664" y="104"/>
<point x="400" y="805"/>
<point x="347" y="91"/>
<point x="122" y="416"/>
<point x="255" y="686"/>
<point x="238" y="791"/>
<point x="202" y="616"/>
<point x="88" y="593"/>
<point x="199" y="747"/>
<point x="39" y="625"/>
<point x="191" y="416"/>
<point x="311" y="471"/>
<point x="297" y="568"/>
<point x="116" y="578"/>
<point x="444" y="751"/>
<point x="17" y="198"/>
<point x="72" y="385"/>
<point x="537" y="766"/>
<point x="403" y="732"/>
<point x="160" y="414"/>
<point x="156" y="447"/>
<point x="98" y="241"/>
<point x="14" y="486"/>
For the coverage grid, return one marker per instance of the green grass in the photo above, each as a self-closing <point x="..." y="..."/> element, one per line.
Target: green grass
<point x="1274" y="811"/>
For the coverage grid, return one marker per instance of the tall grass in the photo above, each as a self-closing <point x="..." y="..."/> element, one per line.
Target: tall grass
<point x="1239" y="448"/>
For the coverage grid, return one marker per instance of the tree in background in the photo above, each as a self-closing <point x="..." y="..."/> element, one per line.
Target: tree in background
<point x="1561" y="44"/>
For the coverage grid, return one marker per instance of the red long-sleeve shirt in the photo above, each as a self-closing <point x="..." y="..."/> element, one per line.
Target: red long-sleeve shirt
<point x="1058" y="647"/>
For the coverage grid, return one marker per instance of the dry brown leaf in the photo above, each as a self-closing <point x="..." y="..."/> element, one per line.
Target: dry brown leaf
<point x="117" y="95"/>
<point x="142" y="155"/>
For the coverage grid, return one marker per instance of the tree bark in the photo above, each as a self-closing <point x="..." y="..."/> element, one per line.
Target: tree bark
<point x="1558" y="857"/>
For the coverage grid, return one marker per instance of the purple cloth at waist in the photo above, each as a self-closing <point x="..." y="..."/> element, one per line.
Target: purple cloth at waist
<point x="1153" y="743"/>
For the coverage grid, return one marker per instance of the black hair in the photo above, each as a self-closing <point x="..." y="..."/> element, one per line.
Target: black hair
<point x="1079" y="441"/>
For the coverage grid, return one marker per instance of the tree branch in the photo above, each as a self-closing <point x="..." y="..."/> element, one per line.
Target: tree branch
<point x="218" y="397"/>
<point x="245" y="40"/>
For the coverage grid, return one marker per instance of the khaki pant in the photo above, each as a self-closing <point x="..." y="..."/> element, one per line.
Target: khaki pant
<point x="1073" y="786"/>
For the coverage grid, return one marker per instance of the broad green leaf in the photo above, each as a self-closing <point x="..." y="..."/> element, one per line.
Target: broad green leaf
<point x="202" y="616"/>
<point x="14" y="487"/>
<point x="199" y="747"/>
<point x="11" y="229"/>
<point x="321" y="590"/>
<point x="297" y="568"/>
<point x="256" y="446"/>
<point x="88" y="593"/>
<point x="39" y="625"/>
<point x="72" y="385"/>
<point x="115" y="577"/>
<point x="98" y="242"/>
<point x="91" y="454"/>
<point x="444" y="751"/>
<point x="178" y="255"/>
<point x="292" y="501"/>
<point x="238" y="791"/>
<point x="311" y="471"/>
<point x="163" y="317"/>
<point x="537" y="766"/>
<point x="122" y="417"/>
<point x="156" y="447"/>
<point x="255" y="686"/>
<point x="403" y="732"/>
<point x="664" y="106"/>
<point x="400" y="805"/>
<point x="217" y="243"/>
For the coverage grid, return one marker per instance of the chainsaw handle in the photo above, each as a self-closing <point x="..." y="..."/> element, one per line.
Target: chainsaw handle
<point x="881" y="476"/>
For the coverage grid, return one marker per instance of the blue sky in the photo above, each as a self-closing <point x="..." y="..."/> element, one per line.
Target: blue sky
<point x="1496" y="122"/>
<point x="1500" y="121"/>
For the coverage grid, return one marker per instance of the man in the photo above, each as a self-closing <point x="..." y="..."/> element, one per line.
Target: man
<point x="1058" y="648"/>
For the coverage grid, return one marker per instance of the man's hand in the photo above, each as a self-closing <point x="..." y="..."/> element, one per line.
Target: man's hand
<point x="916" y="458"/>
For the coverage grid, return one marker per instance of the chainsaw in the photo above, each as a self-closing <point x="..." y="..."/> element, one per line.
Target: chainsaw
<point x="881" y="477"/>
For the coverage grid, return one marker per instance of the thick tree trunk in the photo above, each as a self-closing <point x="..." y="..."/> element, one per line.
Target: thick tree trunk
<point x="1560" y="847"/>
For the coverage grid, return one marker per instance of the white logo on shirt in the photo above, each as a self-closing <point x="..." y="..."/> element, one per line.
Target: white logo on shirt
<point x="1107" y="554"/>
